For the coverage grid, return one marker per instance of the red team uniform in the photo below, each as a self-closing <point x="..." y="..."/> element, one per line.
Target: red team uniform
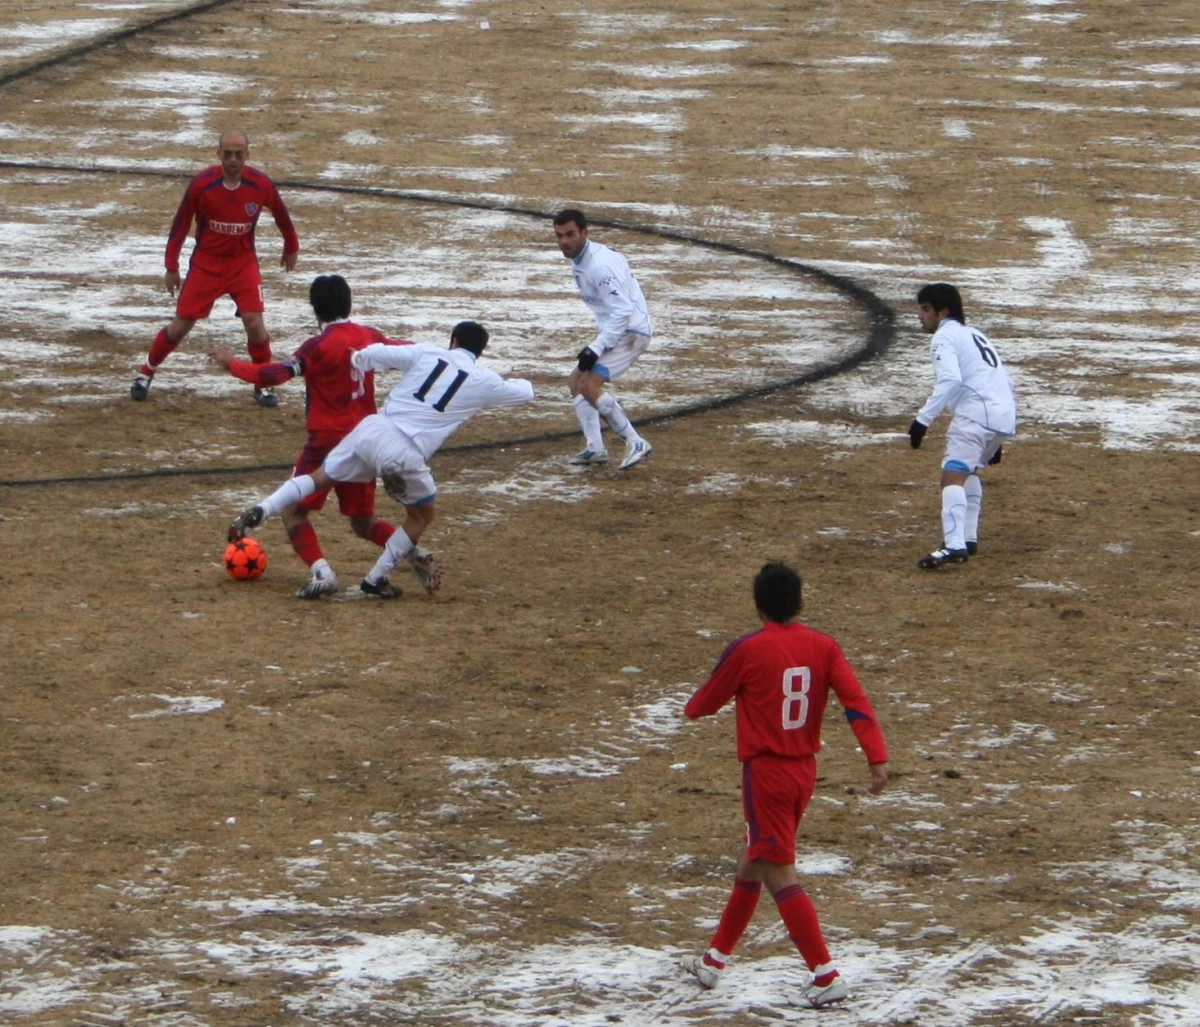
<point x="336" y="398"/>
<point x="781" y="677"/>
<point x="224" y="261"/>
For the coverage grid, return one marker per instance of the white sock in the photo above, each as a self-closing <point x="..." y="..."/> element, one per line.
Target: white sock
<point x="321" y="569"/>
<point x="611" y="411"/>
<point x="396" y="549"/>
<point x="954" y="516"/>
<point x="974" y="490"/>
<point x="289" y="493"/>
<point x="589" y="421"/>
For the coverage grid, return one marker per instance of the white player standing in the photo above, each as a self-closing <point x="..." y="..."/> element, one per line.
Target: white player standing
<point x="623" y="333"/>
<point x="440" y="391"/>
<point x="971" y="379"/>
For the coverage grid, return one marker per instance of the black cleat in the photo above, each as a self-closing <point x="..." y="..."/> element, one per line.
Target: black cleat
<point x="266" y="398"/>
<point x="384" y="589"/>
<point x="140" y="388"/>
<point x="972" y="548"/>
<point x="940" y="557"/>
<point x="243" y="522"/>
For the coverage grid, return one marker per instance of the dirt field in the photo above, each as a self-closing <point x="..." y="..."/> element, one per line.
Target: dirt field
<point x="225" y="806"/>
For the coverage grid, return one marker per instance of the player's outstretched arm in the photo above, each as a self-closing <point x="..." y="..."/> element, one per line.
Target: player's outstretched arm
<point x="384" y="356"/>
<point x="261" y="375"/>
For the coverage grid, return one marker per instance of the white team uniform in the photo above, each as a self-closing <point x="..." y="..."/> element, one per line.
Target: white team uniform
<point x="440" y="391"/>
<point x="972" y="381"/>
<point x="623" y="325"/>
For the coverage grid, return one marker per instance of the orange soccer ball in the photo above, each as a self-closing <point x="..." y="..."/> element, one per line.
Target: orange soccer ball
<point x="245" y="559"/>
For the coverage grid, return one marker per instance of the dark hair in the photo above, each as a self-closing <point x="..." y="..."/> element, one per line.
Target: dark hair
<point x="470" y="335"/>
<point x="777" y="591"/>
<point x="566" y="216"/>
<point x="330" y="298"/>
<point x="943" y="296"/>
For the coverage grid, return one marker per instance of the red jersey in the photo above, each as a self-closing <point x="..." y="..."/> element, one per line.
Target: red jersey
<point x="337" y="396"/>
<point x="225" y="218"/>
<point x="781" y="677"/>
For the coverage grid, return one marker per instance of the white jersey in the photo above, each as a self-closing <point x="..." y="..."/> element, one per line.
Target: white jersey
<point x="608" y="287"/>
<point x="970" y="379"/>
<point x="440" y="391"/>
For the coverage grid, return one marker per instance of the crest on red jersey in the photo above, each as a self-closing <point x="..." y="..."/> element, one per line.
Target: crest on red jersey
<point x="252" y="209"/>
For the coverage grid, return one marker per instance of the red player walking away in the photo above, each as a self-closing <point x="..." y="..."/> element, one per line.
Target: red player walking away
<point x="781" y="676"/>
<point x="225" y="201"/>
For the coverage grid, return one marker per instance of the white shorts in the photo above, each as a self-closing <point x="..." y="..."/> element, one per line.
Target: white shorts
<point x="969" y="446"/>
<point x="376" y="448"/>
<point x="615" y="362"/>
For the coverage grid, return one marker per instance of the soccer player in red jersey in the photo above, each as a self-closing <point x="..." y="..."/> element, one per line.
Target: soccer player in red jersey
<point x="225" y="201"/>
<point x="781" y="676"/>
<point x="337" y="398"/>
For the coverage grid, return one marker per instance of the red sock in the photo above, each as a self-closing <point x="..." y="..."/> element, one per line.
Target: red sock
<point x="800" y="916"/>
<point x="739" y="911"/>
<point x="380" y="532"/>
<point x="260" y="351"/>
<point x="303" y="538"/>
<point x="159" y="351"/>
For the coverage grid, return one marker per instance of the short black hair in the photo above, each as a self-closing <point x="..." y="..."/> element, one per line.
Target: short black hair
<point x="777" y="592"/>
<point x="569" y="214"/>
<point x="330" y="298"/>
<point x="470" y="335"/>
<point x="943" y="296"/>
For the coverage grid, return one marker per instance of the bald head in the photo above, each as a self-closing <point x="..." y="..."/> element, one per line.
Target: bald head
<point x="232" y="150"/>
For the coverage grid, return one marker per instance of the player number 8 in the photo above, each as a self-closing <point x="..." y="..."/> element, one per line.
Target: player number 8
<point x="796" y="683"/>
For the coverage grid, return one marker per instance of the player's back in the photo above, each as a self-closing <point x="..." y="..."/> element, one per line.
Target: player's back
<point x="337" y="396"/>
<point x="786" y="671"/>
<point x="986" y="395"/>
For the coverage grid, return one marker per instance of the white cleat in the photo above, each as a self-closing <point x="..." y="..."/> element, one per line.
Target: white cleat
<point x="814" y="997"/>
<point x="590" y="456"/>
<point x="635" y="452"/>
<point x="428" y="573"/>
<point x="318" y="585"/>
<point x="707" y="974"/>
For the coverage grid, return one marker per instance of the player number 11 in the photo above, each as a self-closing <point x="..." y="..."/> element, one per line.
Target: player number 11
<point x="796" y="683"/>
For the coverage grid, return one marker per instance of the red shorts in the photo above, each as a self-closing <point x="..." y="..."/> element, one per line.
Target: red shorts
<point x="775" y="793"/>
<point x="203" y="286"/>
<point x="355" y="498"/>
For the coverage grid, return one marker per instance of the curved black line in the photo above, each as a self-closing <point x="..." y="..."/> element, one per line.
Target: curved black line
<point x="881" y="334"/>
<point x="62" y="56"/>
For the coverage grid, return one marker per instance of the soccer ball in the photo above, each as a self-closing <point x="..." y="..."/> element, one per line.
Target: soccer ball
<point x="245" y="559"/>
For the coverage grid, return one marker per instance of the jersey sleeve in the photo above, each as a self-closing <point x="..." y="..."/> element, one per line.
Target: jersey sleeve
<point x="854" y="701"/>
<point x="619" y="311"/>
<point x="948" y="378"/>
<point x="721" y="686"/>
<point x="512" y="392"/>
<point x="283" y="221"/>
<point x="385" y="356"/>
<point x="181" y="226"/>
<point x="265" y="376"/>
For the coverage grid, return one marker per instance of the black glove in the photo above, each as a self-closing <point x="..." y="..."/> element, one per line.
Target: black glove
<point x="996" y="456"/>
<point x="587" y="358"/>
<point x="916" y="432"/>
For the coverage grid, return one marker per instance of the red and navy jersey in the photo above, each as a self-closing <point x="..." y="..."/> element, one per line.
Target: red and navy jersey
<point x="225" y="218"/>
<point x="337" y="395"/>
<point x="781" y="677"/>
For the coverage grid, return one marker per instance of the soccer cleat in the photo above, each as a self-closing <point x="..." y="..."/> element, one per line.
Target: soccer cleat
<point x="243" y="522"/>
<point x="428" y="573"/>
<point x="636" y="451"/>
<point x="318" y="585"/>
<point x="590" y="456"/>
<point x="940" y="557"/>
<point x="708" y="974"/>
<point x="140" y="388"/>
<point x="814" y="996"/>
<point x="383" y="588"/>
<point x="266" y="398"/>
<point x="972" y="547"/>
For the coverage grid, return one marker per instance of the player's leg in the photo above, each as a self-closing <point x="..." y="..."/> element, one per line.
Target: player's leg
<point x="965" y="443"/>
<point x="163" y="346"/>
<point x="402" y="545"/>
<point x="615" y="363"/>
<point x="593" y="451"/>
<point x="248" y="296"/>
<point x="973" y="487"/>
